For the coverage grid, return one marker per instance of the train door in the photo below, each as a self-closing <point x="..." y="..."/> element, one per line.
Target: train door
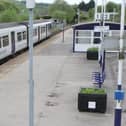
<point x="46" y="30"/>
<point x="13" y="42"/>
<point x="39" y="34"/>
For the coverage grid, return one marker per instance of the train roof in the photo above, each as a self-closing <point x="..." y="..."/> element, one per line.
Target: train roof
<point x="14" y="24"/>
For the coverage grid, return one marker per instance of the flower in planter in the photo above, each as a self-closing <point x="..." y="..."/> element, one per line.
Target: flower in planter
<point x="93" y="49"/>
<point x="92" y="91"/>
<point x="92" y="100"/>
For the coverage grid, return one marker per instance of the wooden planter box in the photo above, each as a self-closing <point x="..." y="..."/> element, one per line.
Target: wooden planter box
<point x="92" y="54"/>
<point x="93" y="102"/>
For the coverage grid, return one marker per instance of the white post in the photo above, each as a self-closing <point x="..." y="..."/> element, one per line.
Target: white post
<point x="30" y="4"/>
<point x="120" y="66"/>
<point x="95" y="15"/>
<point x="102" y="10"/>
<point x="114" y="10"/>
<point x="118" y="109"/>
<point x="102" y="31"/>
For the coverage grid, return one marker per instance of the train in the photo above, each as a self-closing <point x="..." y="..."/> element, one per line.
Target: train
<point x="14" y="36"/>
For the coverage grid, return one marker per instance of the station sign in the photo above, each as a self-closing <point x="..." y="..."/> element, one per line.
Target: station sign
<point x="105" y="16"/>
<point x="101" y="28"/>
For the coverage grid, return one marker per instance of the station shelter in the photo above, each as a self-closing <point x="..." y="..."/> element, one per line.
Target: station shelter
<point x="87" y="35"/>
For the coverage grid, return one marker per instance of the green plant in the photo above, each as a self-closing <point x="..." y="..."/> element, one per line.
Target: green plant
<point x="93" y="49"/>
<point x="92" y="91"/>
<point x="9" y="15"/>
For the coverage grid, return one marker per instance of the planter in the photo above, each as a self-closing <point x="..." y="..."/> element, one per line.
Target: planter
<point x="92" y="53"/>
<point x="92" y="100"/>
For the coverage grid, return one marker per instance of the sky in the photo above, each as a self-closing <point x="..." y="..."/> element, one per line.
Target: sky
<point x="75" y="1"/>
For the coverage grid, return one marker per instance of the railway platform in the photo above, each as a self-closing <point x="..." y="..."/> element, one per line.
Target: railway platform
<point x="58" y="75"/>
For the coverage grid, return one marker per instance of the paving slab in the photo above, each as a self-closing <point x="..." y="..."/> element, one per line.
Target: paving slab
<point x="58" y="74"/>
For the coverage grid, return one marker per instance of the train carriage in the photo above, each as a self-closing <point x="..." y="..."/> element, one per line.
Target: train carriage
<point x="14" y="36"/>
<point x="19" y="37"/>
<point x="5" y="43"/>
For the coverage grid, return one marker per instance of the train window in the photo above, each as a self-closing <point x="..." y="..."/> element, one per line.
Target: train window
<point x="35" y="32"/>
<point x="24" y="35"/>
<point x="42" y="30"/>
<point x="49" y="26"/>
<point x="5" y="41"/>
<point x="19" y="36"/>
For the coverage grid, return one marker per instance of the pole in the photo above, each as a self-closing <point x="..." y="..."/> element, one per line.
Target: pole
<point x="30" y="4"/>
<point x="102" y="31"/>
<point x="118" y="109"/>
<point x="31" y="81"/>
<point x="78" y="13"/>
<point x="121" y="43"/>
<point x="95" y="15"/>
<point x="114" y="10"/>
<point x="102" y="10"/>
<point x="63" y="32"/>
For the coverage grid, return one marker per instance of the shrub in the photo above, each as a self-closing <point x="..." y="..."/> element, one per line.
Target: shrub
<point x="93" y="49"/>
<point x="92" y="91"/>
<point x="9" y="15"/>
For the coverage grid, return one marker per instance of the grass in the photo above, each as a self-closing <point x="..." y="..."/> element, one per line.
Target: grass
<point x="92" y="91"/>
<point x="93" y="49"/>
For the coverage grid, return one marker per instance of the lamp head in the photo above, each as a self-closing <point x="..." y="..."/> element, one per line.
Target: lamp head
<point x="30" y="4"/>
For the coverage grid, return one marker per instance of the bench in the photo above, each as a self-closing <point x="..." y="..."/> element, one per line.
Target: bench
<point x="97" y="78"/>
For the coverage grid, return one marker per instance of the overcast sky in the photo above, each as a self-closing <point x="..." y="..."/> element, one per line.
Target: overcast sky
<point x="75" y="1"/>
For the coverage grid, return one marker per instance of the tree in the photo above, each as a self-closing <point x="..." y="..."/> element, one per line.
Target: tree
<point x="61" y="10"/>
<point x="85" y="7"/>
<point x="110" y="6"/>
<point x="91" y="13"/>
<point x="8" y="4"/>
<point x="82" y="6"/>
<point x="9" y="15"/>
<point x="91" y="4"/>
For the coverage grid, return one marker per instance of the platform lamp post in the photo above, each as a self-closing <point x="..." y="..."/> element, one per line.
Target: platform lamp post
<point x="102" y="31"/>
<point x="119" y="93"/>
<point x="114" y="11"/>
<point x="30" y="4"/>
<point x="63" y="23"/>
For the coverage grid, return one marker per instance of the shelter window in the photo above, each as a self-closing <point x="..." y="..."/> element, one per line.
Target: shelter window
<point x="35" y="32"/>
<point x="97" y="39"/>
<point x="97" y="34"/>
<point x="5" y="41"/>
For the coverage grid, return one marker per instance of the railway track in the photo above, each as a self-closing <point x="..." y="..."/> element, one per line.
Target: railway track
<point x="19" y="59"/>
